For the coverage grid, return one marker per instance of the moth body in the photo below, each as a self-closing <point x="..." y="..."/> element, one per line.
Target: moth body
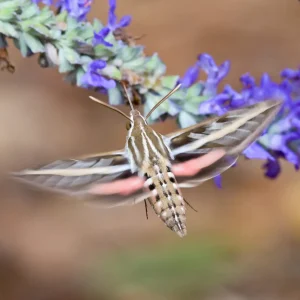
<point x="148" y="154"/>
<point x="166" y="199"/>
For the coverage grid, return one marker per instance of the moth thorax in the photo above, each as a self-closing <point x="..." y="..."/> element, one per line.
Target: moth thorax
<point x="166" y="199"/>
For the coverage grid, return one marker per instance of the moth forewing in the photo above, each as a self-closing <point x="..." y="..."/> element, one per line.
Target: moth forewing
<point x="234" y="131"/>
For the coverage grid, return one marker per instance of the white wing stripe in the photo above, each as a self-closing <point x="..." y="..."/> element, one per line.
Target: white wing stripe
<point x="76" y="172"/>
<point x="222" y="132"/>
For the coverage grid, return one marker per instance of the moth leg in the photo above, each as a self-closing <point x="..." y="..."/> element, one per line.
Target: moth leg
<point x="190" y="205"/>
<point x="146" y="208"/>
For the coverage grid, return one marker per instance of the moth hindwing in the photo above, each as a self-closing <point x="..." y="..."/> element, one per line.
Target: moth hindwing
<point x="148" y="154"/>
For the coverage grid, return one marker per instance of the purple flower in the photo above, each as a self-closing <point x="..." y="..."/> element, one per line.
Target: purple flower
<point x="218" y="181"/>
<point x="214" y="73"/>
<point x="256" y="151"/>
<point x="46" y="2"/>
<point x="284" y="139"/>
<point x="77" y="9"/>
<point x="112" y="18"/>
<point x="282" y="143"/>
<point x="217" y="106"/>
<point x="190" y="76"/>
<point x="292" y="80"/>
<point x="99" y="38"/>
<point x="272" y="168"/>
<point x="92" y="78"/>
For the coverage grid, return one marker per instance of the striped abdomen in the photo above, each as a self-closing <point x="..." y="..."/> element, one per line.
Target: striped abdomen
<point x="166" y="199"/>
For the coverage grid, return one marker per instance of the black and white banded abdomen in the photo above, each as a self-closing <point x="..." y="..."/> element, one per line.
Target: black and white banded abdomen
<point x="166" y="198"/>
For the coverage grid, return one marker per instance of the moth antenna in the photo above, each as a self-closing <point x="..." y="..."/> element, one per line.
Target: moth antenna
<point x="127" y="95"/>
<point x="162" y="100"/>
<point x="110" y="107"/>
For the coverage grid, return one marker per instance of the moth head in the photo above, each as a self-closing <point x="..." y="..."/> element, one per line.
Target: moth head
<point x="135" y="113"/>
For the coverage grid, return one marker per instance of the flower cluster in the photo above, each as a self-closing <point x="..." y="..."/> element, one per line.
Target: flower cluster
<point x="99" y="57"/>
<point x="282" y="138"/>
<point x="78" y="9"/>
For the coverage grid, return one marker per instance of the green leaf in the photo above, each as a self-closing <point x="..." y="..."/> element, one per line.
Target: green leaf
<point x="41" y="30"/>
<point x="64" y="65"/>
<point x="23" y="46"/>
<point x="71" y="23"/>
<point x="97" y="25"/>
<point x="102" y="51"/>
<point x="155" y="65"/>
<point x="111" y="39"/>
<point x="8" y="29"/>
<point x="62" y="16"/>
<point x="151" y="100"/>
<point x="112" y="72"/>
<point x="191" y="105"/>
<point x="128" y="54"/>
<point x="33" y="43"/>
<point x="185" y="119"/>
<point x="179" y="96"/>
<point x="7" y="13"/>
<point x="134" y="64"/>
<point x="169" y="81"/>
<point x="44" y="16"/>
<point x="71" y="55"/>
<point x="55" y="34"/>
<point x="195" y="90"/>
<point x="29" y="12"/>
<point x="115" y="96"/>
<point x="85" y="60"/>
<point x="79" y="74"/>
<point x="86" y="32"/>
<point x="8" y="9"/>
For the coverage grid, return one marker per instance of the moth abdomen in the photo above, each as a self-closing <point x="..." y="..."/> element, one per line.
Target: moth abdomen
<point x="166" y="199"/>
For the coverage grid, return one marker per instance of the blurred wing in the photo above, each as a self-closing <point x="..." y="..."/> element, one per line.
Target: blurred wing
<point x="74" y="176"/>
<point x="232" y="132"/>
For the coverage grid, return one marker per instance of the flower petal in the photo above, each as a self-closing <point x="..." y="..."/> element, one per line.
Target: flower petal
<point x="190" y="76"/>
<point x="218" y="181"/>
<point x="272" y="168"/>
<point x="124" y="22"/>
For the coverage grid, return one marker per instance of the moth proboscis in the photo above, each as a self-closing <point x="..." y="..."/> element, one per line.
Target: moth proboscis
<point x="148" y="154"/>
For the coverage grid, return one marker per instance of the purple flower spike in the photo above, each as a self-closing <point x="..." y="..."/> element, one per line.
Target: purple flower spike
<point x="290" y="74"/>
<point x="76" y="8"/>
<point x="46" y="2"/>
<point x="93" y="78"/>
<point x="214" y="73"/>
<point x="112" y="18"/>
<point x="214" y="106"/>
<point x="292" y="80"/>
<point x="99" y="38"/>
<point x="281" y="143"/>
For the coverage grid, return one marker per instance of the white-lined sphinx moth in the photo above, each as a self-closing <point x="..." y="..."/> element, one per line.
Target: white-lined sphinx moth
<point x="148" y="154"/>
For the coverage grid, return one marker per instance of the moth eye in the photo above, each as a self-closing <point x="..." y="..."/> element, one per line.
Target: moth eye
<point x="128" y="125"/>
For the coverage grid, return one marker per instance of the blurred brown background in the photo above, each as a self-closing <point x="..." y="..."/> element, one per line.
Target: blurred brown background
<point x="58" y="248"/>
